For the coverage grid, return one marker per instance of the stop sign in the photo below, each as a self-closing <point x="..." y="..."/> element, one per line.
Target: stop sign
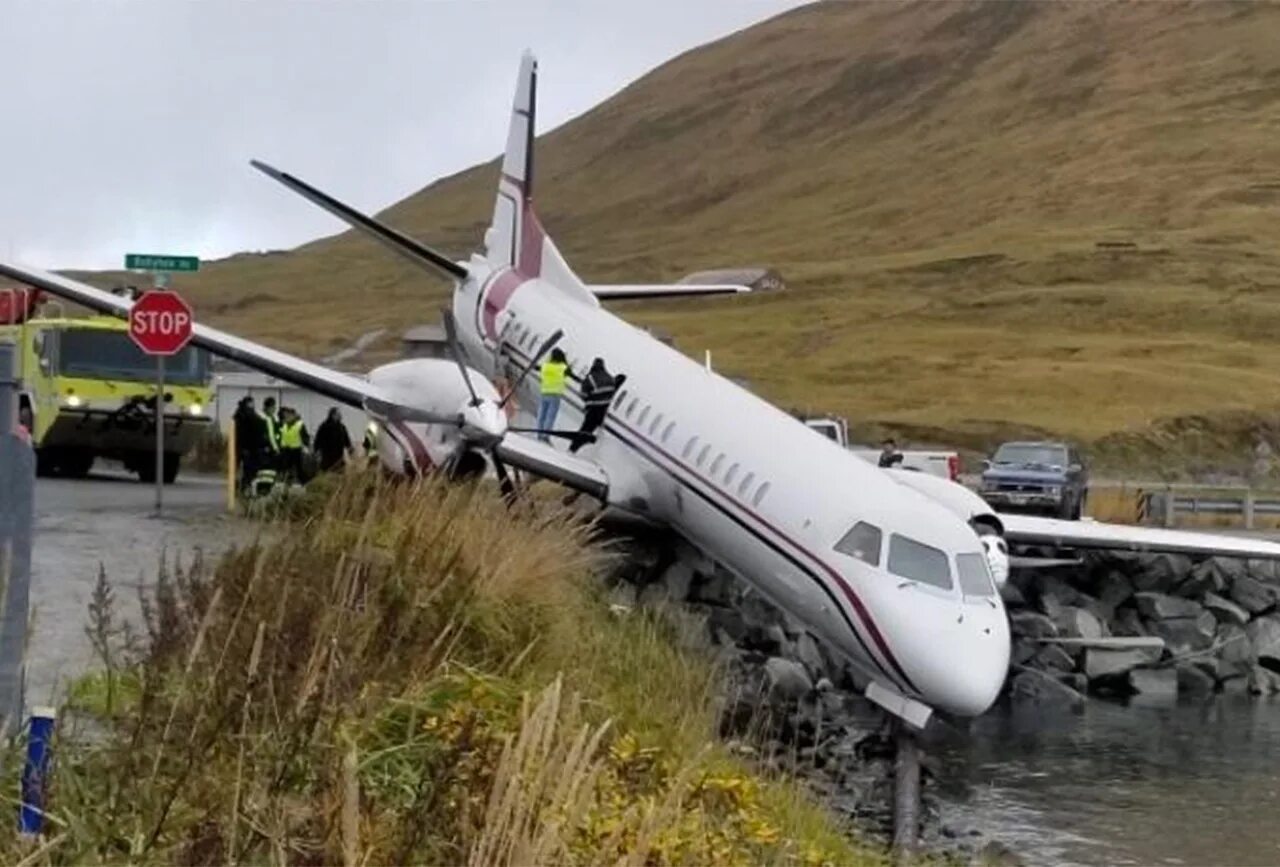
<point x="160" y="323"/>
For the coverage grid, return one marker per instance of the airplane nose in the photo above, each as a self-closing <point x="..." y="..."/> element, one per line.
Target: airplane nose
<point x="966" y="679"/>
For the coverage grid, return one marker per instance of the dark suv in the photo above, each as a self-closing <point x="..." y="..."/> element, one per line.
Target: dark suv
<point x="1042" y="477"/>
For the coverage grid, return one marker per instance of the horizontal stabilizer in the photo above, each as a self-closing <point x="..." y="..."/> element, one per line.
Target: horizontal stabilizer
<point x="622" y="291"/>
<point x="351" y="390"/>
<point x="413" y="250"/>
<point x="1031" y="530"/>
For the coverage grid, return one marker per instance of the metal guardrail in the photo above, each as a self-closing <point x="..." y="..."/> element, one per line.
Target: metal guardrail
<point x="17" y="500"/>
<point x="1160" y="503"/>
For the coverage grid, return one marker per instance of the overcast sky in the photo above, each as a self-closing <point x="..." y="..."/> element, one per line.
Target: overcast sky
<point x="128" y="126"/>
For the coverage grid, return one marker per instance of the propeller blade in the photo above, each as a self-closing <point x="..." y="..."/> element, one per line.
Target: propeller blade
<point x="399" y="412"/>
<point x="451" y="334"/>
<point x="533" y="362"/>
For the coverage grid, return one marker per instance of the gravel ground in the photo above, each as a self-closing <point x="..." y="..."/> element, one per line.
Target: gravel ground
<point x="108" y="519"/>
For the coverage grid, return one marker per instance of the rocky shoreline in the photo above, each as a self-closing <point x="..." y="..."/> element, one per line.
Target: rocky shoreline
<point x="1124" y="624"/>
<point x="1111" y="625"/>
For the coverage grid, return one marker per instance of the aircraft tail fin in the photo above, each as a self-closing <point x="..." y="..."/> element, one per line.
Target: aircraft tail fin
<point x="516" y="238"/>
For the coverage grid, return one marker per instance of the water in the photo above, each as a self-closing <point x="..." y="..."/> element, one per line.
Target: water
<point x="1188" y="783"/>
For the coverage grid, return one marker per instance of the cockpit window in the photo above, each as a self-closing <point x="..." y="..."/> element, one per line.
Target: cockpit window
<point x="975" y="575"/>
<point x="919" y="562"/>
<point x="862" y="542"/>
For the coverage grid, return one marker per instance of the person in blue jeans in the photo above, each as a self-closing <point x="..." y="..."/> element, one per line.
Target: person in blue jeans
<point x="553" y="377"/>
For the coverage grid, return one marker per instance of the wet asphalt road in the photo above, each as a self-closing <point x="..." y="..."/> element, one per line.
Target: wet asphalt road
<point x="108" y="519"/>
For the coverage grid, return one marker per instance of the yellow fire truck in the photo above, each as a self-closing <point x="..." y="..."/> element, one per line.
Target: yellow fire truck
<point x="88" y="392"/>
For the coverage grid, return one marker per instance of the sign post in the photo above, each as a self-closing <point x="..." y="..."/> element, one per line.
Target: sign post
<point x="160" y="322"/>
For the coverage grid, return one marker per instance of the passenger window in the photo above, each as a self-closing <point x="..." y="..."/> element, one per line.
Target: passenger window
<point x="975" y="575"/>
<point x="731" y="475"/>
<point x="918" y="562"/>
<point x="702" y="455"/>
<point x="863" y="542"/>
<point x="666" y="434"/>
<point x="746" y="483"/>
<point x="622" y="397"/>
<point x="764" y="489"/>
<point x="657" y="422"/>
<point x="688" y="447"/>
<point x="644" y="414"/>
<point x="715" y="465"/>
<point x="631" y="407"/>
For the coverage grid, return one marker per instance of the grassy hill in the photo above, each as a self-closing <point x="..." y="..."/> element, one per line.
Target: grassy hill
<point x="992" y="217"/>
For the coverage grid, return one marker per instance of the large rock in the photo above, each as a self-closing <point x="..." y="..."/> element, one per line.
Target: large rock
<point x="1209" y="576"/>
<point x="1114" y="590"/>
<point x="1194" y="680"/>
<point x="1263" y="681"/>
<point x="718" y="588"/>
<point x="1155" y="682"/>
<point x="1028" y="624"/>
<point x="1075" y="622"/>
<point x="1252" y="595"/>
<point x="1159" y="573"/>
<point x="1053" y="595"/>
<point x="726" y="625"/>
<point x="1185" y="634"/>
<point x="1264" y="637"/>
<point x="787" y="679"/>
<point x="806" y="651"/>
<point x="1127" y="621"/>
<point x="1101" y="662"/>
<point x="679" y="579"/>
<point x="1055" y="658"/>
<point x="1266" y="571"/>
<point x="1159" y="606"/>
<point x="1224" y="610"/>
<point x="1022" y="651"/>
<point x="1235" y="651"/>
<point x="1036" y="686"/>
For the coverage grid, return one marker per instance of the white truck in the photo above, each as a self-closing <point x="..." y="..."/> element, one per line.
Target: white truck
<point x="945" y="465"/>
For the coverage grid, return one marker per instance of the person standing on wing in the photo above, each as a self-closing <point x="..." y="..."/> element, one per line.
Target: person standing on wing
<point x="553" y="375"/>
<point x="598" y="389"/>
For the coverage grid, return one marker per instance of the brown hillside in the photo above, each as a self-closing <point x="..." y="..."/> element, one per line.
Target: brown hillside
<point x="934" y="181"/>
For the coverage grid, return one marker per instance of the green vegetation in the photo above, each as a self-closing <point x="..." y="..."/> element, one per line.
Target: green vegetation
<point x="407" y="674"/>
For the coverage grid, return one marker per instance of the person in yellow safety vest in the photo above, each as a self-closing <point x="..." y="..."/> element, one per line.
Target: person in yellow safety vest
<point x="554" y="373"/>
<point x="294" y="439"/>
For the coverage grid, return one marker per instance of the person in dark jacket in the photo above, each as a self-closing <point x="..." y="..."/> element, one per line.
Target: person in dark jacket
<point x="251" y="440"/>
<point x="333" y="443"/>
<point x="598" y="389"/>
<point x="889" y="454"/>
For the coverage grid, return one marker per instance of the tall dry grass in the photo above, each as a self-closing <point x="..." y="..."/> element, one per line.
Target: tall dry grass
<point x="405" y="674"/>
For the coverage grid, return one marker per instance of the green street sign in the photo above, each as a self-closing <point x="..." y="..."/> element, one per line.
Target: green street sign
<point x="144" y="262"/>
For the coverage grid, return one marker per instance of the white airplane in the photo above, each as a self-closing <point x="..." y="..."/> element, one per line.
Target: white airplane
<point x="885" y="566"/>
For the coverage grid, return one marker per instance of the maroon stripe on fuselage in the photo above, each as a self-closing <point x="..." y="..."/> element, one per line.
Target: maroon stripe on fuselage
<point x="412" y="444"/>
<point x="496" y="298"/>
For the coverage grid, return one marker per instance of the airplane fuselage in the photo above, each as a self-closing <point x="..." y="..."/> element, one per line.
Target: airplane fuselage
<point x="759" y="492"/>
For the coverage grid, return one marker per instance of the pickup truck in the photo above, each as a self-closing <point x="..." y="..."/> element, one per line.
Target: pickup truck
<point x="1041" y="477"/>
<point x="945" y="465"/>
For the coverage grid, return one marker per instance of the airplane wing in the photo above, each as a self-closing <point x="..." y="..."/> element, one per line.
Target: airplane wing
<point x="621" y="291"/>
<point x="518" y="451"/>
<point x="1032" y="530"/>
<point x="342" y="387"/>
